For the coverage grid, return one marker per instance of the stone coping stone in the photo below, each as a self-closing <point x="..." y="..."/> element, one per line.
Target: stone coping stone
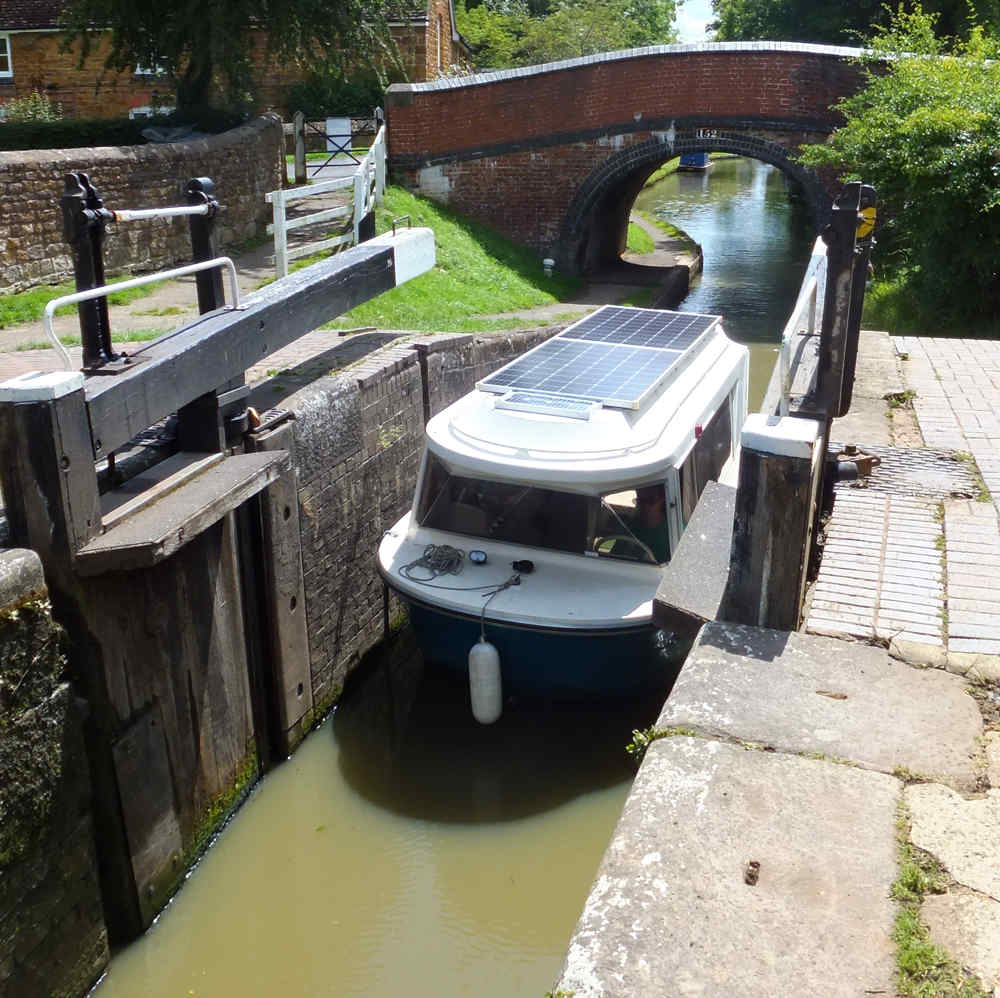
<point x="671" y="911"/>
<point x="963" y="834"/>
<point x="967" y="926"/>
<point x="808" y="694"/>
<point x="21" y="576"/>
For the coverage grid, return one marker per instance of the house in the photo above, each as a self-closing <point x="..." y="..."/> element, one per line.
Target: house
<point x="32" y="57"/>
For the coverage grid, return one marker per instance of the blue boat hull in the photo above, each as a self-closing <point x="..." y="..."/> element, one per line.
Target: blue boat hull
<point x="538" y="662"/>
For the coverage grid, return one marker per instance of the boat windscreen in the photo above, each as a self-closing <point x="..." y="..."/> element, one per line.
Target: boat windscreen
<point x="526" y="514"/>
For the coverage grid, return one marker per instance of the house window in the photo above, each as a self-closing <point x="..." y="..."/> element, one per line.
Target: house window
<point x="6" y="66"/>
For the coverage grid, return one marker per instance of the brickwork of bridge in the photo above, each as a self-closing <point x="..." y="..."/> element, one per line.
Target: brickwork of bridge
<point x="553" y="156"/>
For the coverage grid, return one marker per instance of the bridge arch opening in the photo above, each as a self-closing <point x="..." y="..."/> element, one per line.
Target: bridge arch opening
<point x="595" y="227"/>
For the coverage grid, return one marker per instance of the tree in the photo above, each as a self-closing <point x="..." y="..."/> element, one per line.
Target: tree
<point x="200" y="45"/>
<point x="504" y="33"/>
<point x="925" y="131"/>
<point x="836" y="24"/>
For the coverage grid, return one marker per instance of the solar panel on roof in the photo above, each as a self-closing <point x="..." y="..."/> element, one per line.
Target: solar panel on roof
<point x="640" y="327"/>
<point x="615" y="375"/>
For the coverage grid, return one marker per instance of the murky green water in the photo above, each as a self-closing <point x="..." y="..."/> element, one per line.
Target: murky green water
<point x="756" y="235"/>
<point x="404" y="850"/>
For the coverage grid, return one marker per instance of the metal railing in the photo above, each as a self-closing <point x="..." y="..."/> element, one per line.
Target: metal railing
<point x="368" y="185"/>
<point x="135" y="282"/>
<point x="800" y="327"/>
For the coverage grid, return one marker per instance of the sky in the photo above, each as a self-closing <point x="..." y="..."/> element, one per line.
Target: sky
<point x="692" y="16"/>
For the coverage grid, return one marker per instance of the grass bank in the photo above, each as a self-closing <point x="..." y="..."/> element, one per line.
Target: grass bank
<point x="891" y="304"/>
<point x="28" y="306"/>
<point x="477" y="273"/>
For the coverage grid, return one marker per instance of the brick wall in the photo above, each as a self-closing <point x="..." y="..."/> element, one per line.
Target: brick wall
<point x="765" y="82"/>
<point x="89" y="91"/>
<point x="52" y="934"/>
<point x="358" y="442"/>
<point x="245" y="163"/>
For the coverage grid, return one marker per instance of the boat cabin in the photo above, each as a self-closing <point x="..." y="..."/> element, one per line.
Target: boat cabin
<point x="563" y="447"/>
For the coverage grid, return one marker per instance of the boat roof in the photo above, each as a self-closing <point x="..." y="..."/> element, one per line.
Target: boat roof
<point x="614" y="397"/>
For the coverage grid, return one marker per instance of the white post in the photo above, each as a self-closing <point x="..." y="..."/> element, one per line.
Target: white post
<point x="280" y="236"/>
<point x="360" y="183"/>
<point x="380" y="165"/>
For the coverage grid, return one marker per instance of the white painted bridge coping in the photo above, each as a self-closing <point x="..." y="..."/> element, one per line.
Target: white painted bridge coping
<point x="783" y="436"/>
<point x="691" y="48"/>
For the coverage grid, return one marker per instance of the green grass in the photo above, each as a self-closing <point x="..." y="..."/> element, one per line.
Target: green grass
<point x="131" y="336"/>
<point x="28" y="306"/>
<point x="639" y="240"/>
<point x="478" y="272"/>
<point x="357" y="152"/>
<point x="891" y="304"/>
<point x="665" y="227"/>
<point x="923" y="970"/>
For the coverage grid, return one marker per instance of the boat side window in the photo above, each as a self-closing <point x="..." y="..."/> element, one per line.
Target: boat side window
<point x="503" y="511"/>
<point x="707" y="458"/>
<point x="632" y="524"/>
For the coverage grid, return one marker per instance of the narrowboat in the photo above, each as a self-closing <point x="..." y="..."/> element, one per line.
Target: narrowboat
<point x="550" y="497"/>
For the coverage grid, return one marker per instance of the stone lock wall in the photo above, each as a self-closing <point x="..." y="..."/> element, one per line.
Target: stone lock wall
<point x="245" y="164"/>
<point x="52" y="934"/>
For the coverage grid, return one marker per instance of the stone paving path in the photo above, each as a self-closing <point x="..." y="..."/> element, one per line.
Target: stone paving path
<point x="957" y="386"/>
<point x="915" y="564"/>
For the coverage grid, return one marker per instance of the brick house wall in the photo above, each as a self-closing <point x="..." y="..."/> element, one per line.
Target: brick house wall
<point x="428" y="43"/>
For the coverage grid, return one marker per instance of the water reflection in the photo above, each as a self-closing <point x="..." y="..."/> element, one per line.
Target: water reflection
<point x="754" y="227"/>
<point x="408" y="742"/>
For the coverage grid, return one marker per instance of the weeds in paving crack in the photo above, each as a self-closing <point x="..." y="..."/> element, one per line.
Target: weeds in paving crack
<point x="982" y="492"/>
<point x="901" y="400"/>
<point x="923" y="970"/>
<point x="641" y="740"/>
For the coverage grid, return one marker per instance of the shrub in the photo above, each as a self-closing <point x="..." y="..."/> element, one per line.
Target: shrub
<point x="35" y="106"/>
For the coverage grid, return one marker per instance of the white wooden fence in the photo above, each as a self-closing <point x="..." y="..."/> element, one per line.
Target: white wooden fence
<point x="368" y="185"/>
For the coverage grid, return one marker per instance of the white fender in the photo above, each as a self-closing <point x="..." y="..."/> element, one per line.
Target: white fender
<point x="485" y="686"/>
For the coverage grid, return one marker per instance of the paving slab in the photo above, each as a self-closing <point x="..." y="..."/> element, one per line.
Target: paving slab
<point x="672" y="912"/>
<point x="805" y="693"/>
<point x="967" y="926"/>
<point x="963" y="834"/>
<point x="993" y="757"/>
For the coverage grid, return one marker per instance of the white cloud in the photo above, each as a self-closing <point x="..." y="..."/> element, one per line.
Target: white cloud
<point x="692" y="16"/>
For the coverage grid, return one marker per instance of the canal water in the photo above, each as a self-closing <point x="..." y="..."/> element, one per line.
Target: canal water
<point x="405" y="850"/>
<point x="756" y="235"/>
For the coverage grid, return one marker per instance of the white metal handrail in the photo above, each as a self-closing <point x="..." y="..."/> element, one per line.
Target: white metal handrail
<point x="134" y="282"/>
<point x="135" y="214"/>
<point x="806" y="300"/>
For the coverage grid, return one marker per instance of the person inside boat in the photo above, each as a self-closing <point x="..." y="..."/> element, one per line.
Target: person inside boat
<point x="649" y="522"/>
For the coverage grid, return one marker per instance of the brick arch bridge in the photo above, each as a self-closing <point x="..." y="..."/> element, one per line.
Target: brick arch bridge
<point x="553" y="156"/>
